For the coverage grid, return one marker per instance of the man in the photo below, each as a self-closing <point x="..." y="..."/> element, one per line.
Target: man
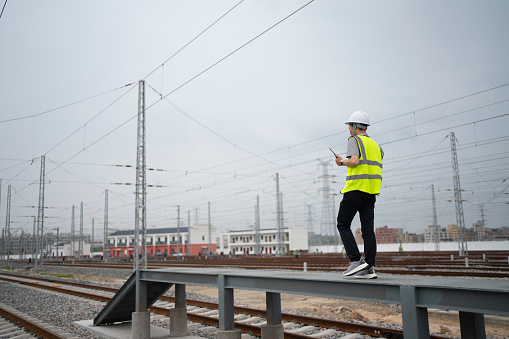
<point x="363" y="181"/>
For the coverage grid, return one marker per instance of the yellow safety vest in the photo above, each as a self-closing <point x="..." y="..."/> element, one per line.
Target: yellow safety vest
<point x="367" y="175"/>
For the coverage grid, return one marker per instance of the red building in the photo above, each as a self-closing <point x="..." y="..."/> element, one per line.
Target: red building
<point x="165" y="241"/>
<point x="386" y="235"/>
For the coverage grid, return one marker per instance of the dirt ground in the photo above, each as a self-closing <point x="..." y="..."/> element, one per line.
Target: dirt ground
<point x="359" y="311"/>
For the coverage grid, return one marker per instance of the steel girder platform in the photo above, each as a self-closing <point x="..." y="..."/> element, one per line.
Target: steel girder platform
<point x="471" y="297"/>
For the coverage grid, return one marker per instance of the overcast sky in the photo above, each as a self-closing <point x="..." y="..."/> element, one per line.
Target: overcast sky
<point x="69" y="73"/>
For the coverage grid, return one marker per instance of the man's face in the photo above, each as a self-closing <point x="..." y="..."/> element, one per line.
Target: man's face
<point x="350" y="128"/>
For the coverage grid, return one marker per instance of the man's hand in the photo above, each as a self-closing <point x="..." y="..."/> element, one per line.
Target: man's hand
<point x="338" y="160"/>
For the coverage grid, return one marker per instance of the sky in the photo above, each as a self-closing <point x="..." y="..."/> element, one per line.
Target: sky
<point x="238" y="93"/>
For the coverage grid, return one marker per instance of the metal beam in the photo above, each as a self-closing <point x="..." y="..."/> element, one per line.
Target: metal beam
<point x="226" y="304"/>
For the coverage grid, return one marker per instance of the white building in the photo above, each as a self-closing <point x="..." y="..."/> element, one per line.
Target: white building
<point x="243" y="241"/>
<point x="65" y="249"/>
<point x="479" y="230"/>
<point x="431" y="232"/>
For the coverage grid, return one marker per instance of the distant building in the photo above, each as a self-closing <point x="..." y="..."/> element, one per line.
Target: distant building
<point x="500" y="234"/>
<point x="165" y="241"/>
<point x="453" y="231"/>
<point x="479" y="230"/>
<point x="431" y="233"/>
<point x="386" y="235"/>
<point x="243" y="241"/>
<point x="358" y="237"/>
<point x="413" y="237"/>
<point x="25" y="245"/>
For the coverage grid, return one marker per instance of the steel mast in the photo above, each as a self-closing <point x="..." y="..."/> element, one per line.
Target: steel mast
<point x="141" y="185"/>
<point x="40" y="214"/>
<point x="460" y="219"/>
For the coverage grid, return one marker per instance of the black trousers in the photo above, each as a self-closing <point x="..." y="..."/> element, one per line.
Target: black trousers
<point x="364" y="203"/>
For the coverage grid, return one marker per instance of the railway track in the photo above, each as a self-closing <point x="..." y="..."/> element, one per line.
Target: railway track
<point x="494" y="264"/>
<point x="248" y="320"/>
<point x="435" y="270"/>
<point x="15" y="325"/>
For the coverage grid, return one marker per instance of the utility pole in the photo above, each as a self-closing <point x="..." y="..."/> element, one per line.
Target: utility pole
<point x="8" y="222"/>
<point x="282" y="243"/>
<point x="21" y="247"/>
<point x="34" y="241"/>
<point x="178" y="229"/>
<point x="3" y="245"/>
<point x="92" y="245"/>
<point x="105" y="245"/>
<point x="210" y="232"/>
<point x="72" y="235"/>
<point x="40" y="214"/>
<point x="58" y="235"/>
<point x="80" y="245"/>
<point x="1" y="253"/>
<point x="460" y="219"/>
<point x="435" y="223"/>
<point x="278" y="217"/>
<point x="257" y="226"/>
<point x="327" y="226"/>
<point x="188" y="245"/>
<point x="141" y="185"/>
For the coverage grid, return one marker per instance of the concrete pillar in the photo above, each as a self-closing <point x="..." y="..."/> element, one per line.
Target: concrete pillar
<point x="231" y="334"/>
<point x="141" y="325"/>
<point x="178" y="315"/>
<point x="273" y="331"/>
<point x="178" y="322"/>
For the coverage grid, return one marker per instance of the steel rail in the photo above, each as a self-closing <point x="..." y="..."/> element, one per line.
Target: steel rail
<point x="31" y="326"/>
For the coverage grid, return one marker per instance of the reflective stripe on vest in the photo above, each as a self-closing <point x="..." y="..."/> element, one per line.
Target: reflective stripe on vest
<point x="367" y="175"/>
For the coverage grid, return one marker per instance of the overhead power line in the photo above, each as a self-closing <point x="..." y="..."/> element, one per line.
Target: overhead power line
<point x="443" y="103"/>
<point x="63" y="106"/>
<point x="233" y="52"/>
<point x="191" y="41"/>
<point x="5" y="3"/>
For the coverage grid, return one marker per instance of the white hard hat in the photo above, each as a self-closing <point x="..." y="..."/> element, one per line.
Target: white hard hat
<point x="358" y="117"/>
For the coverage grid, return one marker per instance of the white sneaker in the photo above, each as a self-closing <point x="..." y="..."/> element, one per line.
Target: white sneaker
<point x="367" y="273"/>
<point x="355" y="266"/>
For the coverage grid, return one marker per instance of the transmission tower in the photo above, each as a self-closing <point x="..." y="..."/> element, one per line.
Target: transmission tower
<point x="105" y="246"/>
<point x="40" y="214"/>
<point x="327" y="225"/>
<point x="141" y="185"/>
<point x="460" y="219"/>
<point x="435" y="226"/>
<point x="257" y="226"/>
<point x="309" y="222"/>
